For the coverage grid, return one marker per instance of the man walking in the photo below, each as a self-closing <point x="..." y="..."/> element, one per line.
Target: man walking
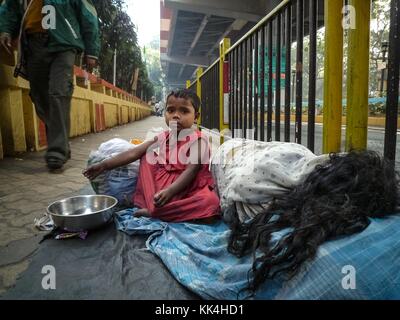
<point x="51" y="33"/>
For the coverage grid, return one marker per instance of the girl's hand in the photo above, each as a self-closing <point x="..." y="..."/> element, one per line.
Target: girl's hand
<point x="162" y="197"/>
<point x="93" y="171"/>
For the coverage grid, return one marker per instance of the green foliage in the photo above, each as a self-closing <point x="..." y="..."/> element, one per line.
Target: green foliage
<point x="379" y="34"/>
<point x="156" y="76"/>
<point x="118" y="32"/>
<point x="378" y="108"/>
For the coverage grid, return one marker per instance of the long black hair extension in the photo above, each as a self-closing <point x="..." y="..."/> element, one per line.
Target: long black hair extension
<point x="336" y="199"/>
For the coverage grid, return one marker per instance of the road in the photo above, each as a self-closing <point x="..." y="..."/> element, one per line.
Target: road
<point x="376" y="138"/>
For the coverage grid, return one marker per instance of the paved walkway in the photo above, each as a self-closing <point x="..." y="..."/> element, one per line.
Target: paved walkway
<point x="27" y="188"/>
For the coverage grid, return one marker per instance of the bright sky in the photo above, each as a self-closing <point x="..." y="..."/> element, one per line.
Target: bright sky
<point x="145" y="14"/>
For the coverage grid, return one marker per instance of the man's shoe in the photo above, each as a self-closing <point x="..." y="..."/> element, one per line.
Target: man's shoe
<point x="54" y="163"/>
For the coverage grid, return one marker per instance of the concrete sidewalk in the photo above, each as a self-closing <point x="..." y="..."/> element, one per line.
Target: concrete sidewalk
<point x="27" y="188"/>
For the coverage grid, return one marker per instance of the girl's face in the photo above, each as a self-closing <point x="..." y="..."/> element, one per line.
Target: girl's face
<point x="182" y="111"/>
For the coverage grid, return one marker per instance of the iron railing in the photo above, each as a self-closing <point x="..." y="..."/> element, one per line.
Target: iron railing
<point x="260" y="86"/>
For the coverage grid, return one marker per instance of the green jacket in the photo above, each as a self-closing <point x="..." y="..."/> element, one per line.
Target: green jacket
<point x="76" y="24"/>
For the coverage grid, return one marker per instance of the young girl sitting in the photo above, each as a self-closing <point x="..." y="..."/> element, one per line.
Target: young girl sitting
<point x="174" y="182"/>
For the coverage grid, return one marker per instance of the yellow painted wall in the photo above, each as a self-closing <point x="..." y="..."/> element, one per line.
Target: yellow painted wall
<point x="124" y="111"/>
<point x="111" y="114"/>
<point x="80" y="117"/>
<point x="12" y="121"/>
<point x="132" y="114"/>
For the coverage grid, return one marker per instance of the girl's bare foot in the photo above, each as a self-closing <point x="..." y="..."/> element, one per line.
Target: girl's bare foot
<point x="142" y="213"/>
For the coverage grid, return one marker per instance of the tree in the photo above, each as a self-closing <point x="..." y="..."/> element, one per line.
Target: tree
<point x="379" y="34"/>
<point x="118" y="32"/>
<point x="156" y="76"/>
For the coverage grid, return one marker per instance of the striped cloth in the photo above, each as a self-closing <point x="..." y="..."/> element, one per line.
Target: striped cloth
<point x="362" y="266"/>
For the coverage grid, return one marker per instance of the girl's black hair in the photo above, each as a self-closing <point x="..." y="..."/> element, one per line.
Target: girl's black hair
<point x="187" y="94"/>
<point x="336" y="199"/>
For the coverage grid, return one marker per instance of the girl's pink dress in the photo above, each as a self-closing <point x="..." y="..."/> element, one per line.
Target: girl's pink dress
<point x="197" y="202"/>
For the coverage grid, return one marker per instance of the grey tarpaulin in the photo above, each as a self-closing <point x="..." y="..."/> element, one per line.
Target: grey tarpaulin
<point x="107" y="265"/>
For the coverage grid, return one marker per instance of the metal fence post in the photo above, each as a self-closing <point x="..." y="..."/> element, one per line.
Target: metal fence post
<point x="223" y="86"/>
<point x="392" y="105"/>
<point x="333" y="76"/>
<point x="357" y="77"/>
<point x="199" y="72"/>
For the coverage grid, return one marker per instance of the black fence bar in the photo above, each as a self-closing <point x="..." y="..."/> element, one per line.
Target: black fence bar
<point x="214" y="109"/>
<point x="256" y="89"/>
<point x="312" y="75"/>
<point x="210" y="100"/>
<point x="278" y="79"/>
<point x="241" y="88"/>
<point x="231" y="93"/>
<point x="233" y="90"/>
<point x="216" y="99"/>
<point x="217" y="103"/>
<point x="236" y="89"/>
<point x="210" y="78"/>
<point x="299" y="69"/>
<point x="204" y="97"/>
<point x="269" y="93"/>
<point x="393" y="82"/>
<point x="214" y="102"/>
<point x="288" y="45"/>
<point x="251" y="82"/>
<point x="229" y="60"/>
<point x="204" y="113"/>
<point x="262" y="85"/>
<point x="245" y="84"/>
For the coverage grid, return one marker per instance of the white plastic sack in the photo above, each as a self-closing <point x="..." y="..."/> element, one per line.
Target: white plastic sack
<point x="154" y="132"/>
<point x="120" y="182"/>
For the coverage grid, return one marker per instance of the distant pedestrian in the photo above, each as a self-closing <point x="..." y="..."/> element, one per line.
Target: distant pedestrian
<point x="51" y="34"/>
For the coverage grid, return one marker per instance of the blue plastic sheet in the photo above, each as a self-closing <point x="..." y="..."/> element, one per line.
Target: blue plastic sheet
<point x="197" y="257"/>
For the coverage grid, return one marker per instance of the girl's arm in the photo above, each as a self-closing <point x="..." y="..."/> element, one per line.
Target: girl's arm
<point x="179" y="185"/>
<point x="120" y="160"/>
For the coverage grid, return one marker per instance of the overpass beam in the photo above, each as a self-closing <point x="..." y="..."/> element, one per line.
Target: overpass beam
<point x="197" y="61"/>
<point x="236" y="9"/>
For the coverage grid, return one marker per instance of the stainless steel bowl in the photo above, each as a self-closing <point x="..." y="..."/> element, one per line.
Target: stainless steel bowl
<point x="82" y="212"/>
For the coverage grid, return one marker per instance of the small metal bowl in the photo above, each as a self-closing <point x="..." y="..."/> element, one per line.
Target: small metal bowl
<point x="82" y="212"/>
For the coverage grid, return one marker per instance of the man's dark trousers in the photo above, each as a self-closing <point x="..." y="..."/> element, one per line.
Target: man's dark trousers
<point x="51" y="81"/>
